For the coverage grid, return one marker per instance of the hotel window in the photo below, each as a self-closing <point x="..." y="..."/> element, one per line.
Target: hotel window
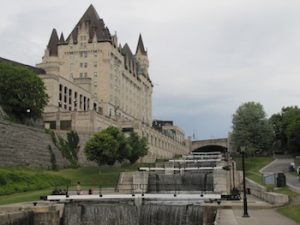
<point x="85" y="65"/>
<point x="85" y="75"/>
<point x="84" y="103"/>
<point x="75" y="100"/>
<point x="70" y="96"/>
<point x="65" y="94"/>
<point x="81" y="65"/>
<point x="81" y="75"/>
<point x="95" y="64"/>
<point x="80" y="101"/>
<point x="95" y="74"/>
<point x="60" y="93"/>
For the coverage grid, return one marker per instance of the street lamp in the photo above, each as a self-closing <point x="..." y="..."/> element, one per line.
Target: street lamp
<point x="242" y="148"/>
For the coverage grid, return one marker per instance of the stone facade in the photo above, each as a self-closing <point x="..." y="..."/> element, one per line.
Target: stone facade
<point x="117" y="81"/>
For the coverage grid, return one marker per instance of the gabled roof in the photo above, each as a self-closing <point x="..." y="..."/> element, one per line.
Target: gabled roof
<point x="53" y="42"/>
<point x="95" y="25"/>
<point x="140" y="46"/>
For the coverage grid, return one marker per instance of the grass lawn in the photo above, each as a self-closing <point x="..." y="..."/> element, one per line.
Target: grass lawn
<point x="285" y="190"/>
<point x="291" y="211"/>
<point x="24" y="196"/>
<point x="92" y="177"/>
<point x="253" y="165"/>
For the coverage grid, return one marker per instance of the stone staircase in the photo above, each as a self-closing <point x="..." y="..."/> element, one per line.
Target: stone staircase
<point x="132" y="182"/>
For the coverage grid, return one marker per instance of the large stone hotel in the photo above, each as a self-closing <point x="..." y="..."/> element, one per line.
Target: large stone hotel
<point x="94" y="82"/>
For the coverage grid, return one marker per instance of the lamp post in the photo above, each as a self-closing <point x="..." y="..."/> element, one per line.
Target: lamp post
<point x="244" y="182"/>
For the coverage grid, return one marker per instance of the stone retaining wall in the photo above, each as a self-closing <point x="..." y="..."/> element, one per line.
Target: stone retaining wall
<point x="271" y="197"/>
<point x="26" y="146"/>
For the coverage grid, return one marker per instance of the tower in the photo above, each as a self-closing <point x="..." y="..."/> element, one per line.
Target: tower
<point x="142" y="57"/>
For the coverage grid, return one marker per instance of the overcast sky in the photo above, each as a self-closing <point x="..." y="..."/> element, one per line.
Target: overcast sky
<point x="206" y="56"/>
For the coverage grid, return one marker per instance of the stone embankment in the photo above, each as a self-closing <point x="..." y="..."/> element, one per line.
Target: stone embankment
<point x="26" y="146"/>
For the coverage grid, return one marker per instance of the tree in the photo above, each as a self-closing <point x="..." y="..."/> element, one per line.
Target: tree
<point x="107" y="146"/>
<point x="102" y="148"/>
<point x="251" y="127"/>
<point x="138" y="146"/>
<point x="111" y="145"/>
<point x="124" y="150"/>
<point x="69" y="148"/>
<point x="286" y="126"/>
<point x="22" y="92"/>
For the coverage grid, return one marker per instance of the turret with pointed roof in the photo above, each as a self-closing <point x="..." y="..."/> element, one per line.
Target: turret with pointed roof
<point x="53" y="42"/>
<point x="62" y="38"/>
<point x="95" y="26"/>
<point x="140" y="46"/>
<point x="142" y="58"/>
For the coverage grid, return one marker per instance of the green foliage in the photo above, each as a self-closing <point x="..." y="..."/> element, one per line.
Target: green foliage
<point x="138" y="146"/>
<point x="13" y="181"/>
<point x="69" y="148"/>
<point x="52" y="158"/>
<point x="22" y="93"/>
<point x="251" y="128"/>
<point x="111" y="145"/>
<point x="102" y="148"/>
<point x="286" y="126"/>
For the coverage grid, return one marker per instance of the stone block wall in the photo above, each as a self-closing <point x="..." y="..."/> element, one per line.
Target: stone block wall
<point x="271" y="197"/>
<point x="26" y="146"/>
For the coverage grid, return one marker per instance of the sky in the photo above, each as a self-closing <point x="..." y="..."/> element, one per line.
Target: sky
<point x="207" y="57"/>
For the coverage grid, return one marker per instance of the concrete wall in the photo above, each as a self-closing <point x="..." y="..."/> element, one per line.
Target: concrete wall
<point x="26" y="146"/>
<point x="261" y="192"/>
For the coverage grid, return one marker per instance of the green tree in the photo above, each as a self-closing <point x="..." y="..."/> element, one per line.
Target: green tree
<point x="102" y="148"/>
<point x="69" y="148"/>
<point x="286" y="128"/>
<point x="111" y="145"/>
<point x="124" y="150"/>
<point x="138" y="146"/>
<point x="251" y="128"/>
<point x="22" y="92"/>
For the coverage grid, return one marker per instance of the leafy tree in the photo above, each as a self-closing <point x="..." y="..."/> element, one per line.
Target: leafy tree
<point x="111" y="145"/>
<point x="102" y="148"/>
<point x="286" y="128"/>
<point x="251" y="127"/>
<point x="22" y="92"/>
<point x="69" y="148"/>
<point x="138" y="146"/>
<point x="124" y="150"/>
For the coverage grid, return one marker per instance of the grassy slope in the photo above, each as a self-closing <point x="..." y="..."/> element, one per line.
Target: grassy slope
<point x="253" y="165"/>
<point x="105" y="176"/>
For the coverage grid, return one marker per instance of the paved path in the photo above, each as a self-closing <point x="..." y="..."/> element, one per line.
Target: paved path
<point x="262" y="217"/>
<point x="282" y="165"/>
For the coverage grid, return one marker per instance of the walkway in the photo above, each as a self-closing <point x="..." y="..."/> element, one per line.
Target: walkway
<point x="262" y="217"/>
<point x="282" y="165"/>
